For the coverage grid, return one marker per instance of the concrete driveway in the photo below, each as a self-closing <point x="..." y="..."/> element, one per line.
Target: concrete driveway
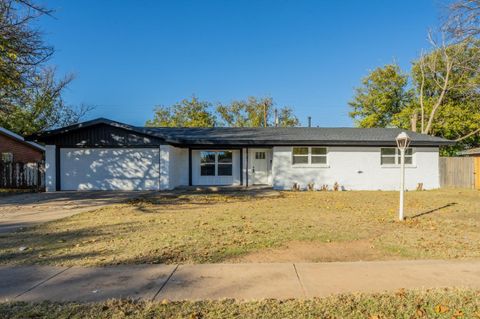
<point x="22" y="210"/>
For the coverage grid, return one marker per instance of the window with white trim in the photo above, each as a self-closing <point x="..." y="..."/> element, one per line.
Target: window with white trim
<point x="216" y="163"/>
<point x="7" y="157"/>
<point x="391" y="156"/>
<point x="309" y="155"/>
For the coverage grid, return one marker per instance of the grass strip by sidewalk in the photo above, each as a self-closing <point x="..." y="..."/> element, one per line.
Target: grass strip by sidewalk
<point x="439" y="303"/>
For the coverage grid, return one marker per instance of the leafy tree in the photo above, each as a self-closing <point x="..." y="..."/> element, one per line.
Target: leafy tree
<point x="254" y="112"/>
<point x="41" y="107"/>
<point x="382" y="95"/>
<point x="187" y="113"/>
<point x="440" y="96"/>
<point x="286" y="117"/>
<point x="30" y="97"/>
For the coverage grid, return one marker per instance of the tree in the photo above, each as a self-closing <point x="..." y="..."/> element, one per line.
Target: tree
<point x="286" y="117"/>
<point x="440" y="96"/>
<point x="254" y="112"/>
<point x="30" y="97"/>
<point x="41" y="106"/>
<point x="463" y="20"/>
<point x="383" y="94"/>
<point x="187" y="113"/>
<point x="448" y="79"/>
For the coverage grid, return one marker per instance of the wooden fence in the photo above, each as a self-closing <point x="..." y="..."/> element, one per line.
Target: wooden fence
<point x="22" y="175"/>
<point x="460" y="172"/>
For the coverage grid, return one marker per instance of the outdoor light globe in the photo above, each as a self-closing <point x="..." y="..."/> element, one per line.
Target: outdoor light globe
<point x="403" y="141"/>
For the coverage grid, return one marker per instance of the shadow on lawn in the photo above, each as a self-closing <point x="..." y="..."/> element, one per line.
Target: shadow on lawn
<point x="31" y="246"/>
<point x="198" y="197"/>
<point x="433" y="210"/>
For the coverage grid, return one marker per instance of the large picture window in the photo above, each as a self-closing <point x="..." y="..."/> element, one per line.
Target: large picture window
<point x="216" y="163"/>
<point x="391" y="156"/>
<point x="309" y="156"/>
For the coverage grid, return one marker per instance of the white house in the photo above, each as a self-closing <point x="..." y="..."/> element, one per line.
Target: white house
<point x="105" y="155"/>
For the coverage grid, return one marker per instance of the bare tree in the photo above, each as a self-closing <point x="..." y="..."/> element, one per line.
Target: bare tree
<point x="463" y="19"/>
<point x="436" y="71"/>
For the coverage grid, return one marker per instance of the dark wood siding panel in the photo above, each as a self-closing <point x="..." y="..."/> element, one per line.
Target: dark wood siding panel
<point x="103" y="136"/>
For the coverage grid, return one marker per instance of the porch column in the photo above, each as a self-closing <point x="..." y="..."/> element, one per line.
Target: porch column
<point x="50" y="168"/>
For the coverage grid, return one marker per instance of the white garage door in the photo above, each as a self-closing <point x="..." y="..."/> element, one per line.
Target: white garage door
<point x="109" y="168"/>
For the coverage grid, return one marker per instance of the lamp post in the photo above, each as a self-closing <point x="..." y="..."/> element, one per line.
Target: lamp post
<point x="403" y="141"/>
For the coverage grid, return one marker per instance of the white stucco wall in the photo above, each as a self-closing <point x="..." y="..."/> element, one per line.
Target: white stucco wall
<point x="178" y="167"/>
<point x="356" y="168"/>
<point x="50" y="177"/>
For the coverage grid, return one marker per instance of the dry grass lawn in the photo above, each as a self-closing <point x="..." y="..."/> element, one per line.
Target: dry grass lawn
<point x="293" y="226"/>
<point x="445" y="303"/>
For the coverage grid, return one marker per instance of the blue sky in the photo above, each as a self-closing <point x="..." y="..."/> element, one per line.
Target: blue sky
<point x="129" y="56"/>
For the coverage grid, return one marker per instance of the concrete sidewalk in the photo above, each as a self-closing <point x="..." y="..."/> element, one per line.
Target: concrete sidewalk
<point x="240" y="281"/>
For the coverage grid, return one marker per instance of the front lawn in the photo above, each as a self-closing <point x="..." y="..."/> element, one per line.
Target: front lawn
<point x="443" y="303"/>
<point x="293" y="226"/>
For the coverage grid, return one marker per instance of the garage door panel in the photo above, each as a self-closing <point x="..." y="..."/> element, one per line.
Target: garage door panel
<point x="109" y="169"/>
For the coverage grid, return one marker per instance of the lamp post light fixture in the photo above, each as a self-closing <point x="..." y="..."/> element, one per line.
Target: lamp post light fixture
<point x="403" y="141"/>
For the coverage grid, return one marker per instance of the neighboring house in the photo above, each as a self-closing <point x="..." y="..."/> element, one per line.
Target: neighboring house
<point x="471" y="152"/>
<point x="102" y="155"/>
<point x="14" y="148"/>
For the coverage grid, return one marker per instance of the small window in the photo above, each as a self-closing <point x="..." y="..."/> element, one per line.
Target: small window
<point x="7" y="157"/>
<point x="319" y="155"/>
<point x="259" y="155"/>
<point x="225" y="164"/>
<point x="391" y="156"/>
<point x="300" y="155"/>
<point x="309" y="156"/>
<point x="207" y="163"/>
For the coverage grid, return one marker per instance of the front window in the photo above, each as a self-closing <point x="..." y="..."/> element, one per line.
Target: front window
<point x="391" y="156"/>
<point x="216" y="163"/>
<point x="309" y="156"/>
<point x="207" y="163"/>
<point x="225" y="164"/>
<point x="7" y="157"/>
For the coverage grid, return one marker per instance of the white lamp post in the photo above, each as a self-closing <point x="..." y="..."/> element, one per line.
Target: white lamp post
<point x="403" y="141"/>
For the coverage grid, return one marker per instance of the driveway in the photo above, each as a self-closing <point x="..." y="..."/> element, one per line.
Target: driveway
<point x="28" y="209"/>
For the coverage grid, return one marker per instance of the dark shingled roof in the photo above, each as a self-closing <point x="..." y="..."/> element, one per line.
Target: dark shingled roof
<point x="265" y="136"/>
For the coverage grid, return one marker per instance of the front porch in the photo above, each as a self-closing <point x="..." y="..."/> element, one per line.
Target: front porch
<point x="230" y="166"/>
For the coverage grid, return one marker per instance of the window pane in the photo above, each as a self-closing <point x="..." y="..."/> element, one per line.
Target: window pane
<point x="388" y="160"/>
<point x="300" y="151"/>
<point x="7" y="157"/>
<point x="259" y="155"/>
<point x="388" y="151"/>
<point x="409" y="151"/>
<point x="300" y="159"/>
<point x="207" y="157"/>
<point x="225" y="157"/>
<point x="207" y="170"/>
<point x="408" y="160"/>
<point x="225" y="169"/>
<point x="319" y="151"/>
<point x="319" y="160"/>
